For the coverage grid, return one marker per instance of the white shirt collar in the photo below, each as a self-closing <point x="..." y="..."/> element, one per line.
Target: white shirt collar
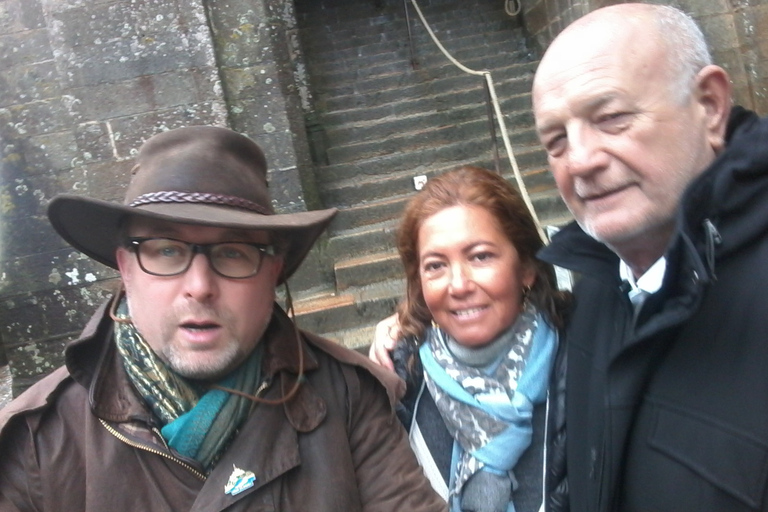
<point x="648" y="283"/>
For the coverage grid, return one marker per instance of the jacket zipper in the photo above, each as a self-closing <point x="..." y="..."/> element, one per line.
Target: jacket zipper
<point x="265" y="383"/>
<point x="545" y="458"/>
<point x="140" y="446"/>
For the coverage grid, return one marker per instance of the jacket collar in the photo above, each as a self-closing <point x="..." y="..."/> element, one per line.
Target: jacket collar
<point x="571" y="248"/>
<point x="93" y="362"/>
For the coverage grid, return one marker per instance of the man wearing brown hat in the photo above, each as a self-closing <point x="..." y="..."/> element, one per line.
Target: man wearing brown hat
<point x="192" y="390"/>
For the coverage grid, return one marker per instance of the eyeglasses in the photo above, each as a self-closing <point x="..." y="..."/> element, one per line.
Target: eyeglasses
<point x="169" y="257"/>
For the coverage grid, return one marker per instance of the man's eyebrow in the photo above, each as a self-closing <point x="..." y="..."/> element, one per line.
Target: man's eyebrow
<point x="547" y="127"/>
<point x="592" y="104"/>
<point x="599" y="101"/>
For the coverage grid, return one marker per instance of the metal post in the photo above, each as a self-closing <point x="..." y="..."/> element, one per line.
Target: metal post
<point x="492" y="126"/>
<point x="414" y="62"/>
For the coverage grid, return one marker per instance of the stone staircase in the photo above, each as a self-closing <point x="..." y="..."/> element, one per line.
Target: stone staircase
<point x="378" y="123"/>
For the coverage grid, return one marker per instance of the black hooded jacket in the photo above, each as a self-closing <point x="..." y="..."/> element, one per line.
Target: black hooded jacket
<point x="669" y="411"/>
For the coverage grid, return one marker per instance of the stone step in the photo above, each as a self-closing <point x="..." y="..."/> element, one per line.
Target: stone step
<point x="371" y="213"/>
<point x="439" y="90"/>
<point x="392" y="175"/>
<point x="358" y="135"/>
<point x="374" y="146"/>
<point x="356" y="18"/>
<point x="362" y="306"/>
<point x="461" y="43"/>
<point x="370" y="239"/>
<point x="459" y="99"/>
<point x="398" y="75"/>
<point x="317" y="14"/>
<point x="367" y="214"/>
<point x="505" y="74"/>
<point x="357" y="338"/>
<point x="398" y="61"/>
<point x="326" y="39"/>
<point x="366" y="270"/>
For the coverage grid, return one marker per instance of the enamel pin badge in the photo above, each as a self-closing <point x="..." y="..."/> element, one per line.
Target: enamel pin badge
<point x="239" y="481"/>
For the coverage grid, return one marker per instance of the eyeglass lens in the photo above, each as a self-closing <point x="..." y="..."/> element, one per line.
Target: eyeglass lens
<point x="167" y="257"/>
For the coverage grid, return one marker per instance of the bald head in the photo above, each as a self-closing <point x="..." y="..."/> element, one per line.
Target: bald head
<point x="661" y="35"/>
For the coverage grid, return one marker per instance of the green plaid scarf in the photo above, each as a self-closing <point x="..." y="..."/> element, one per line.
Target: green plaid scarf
<point x="197" y="422"/>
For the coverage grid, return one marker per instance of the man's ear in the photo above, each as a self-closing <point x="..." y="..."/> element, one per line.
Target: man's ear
<point x="713" y="92"/>
<point x="278" y="265"/>
<point x="121" y="253"/>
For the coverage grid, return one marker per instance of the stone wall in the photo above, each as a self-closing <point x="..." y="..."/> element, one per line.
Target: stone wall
<point x="84" y="82"/>
<point x="737" y="32"/>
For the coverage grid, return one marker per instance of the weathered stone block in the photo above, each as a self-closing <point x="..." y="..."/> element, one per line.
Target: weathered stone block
<point x="720" y="31"/>
<point x="19" y="16"/>
<point x="32" y="317"/>
<point x="120" y="61"/>
<point x="28" y="234"/>
<point x="51" y="152"/>
<point x="137" y="95"/>
<point x="94" y="142"/>
<point x="104" y="180"/>
<point x="268" y="113"/>
<point x="756" y="26"/>
<point x="279" y="149"/>
<point x="21" y="84"/>
<point x="24" y="48"/>
<point x="242" y="32"/>
<point x="99" y="43"/>
<point x="130" y="132"/>
<point x="46" y="270"/>
<point x="698" y="9"/>
<point x="38" y="117"/>
<point x="285" y="189"/>
<point x="94" y="23"/>
<point x="31" y="345"/>
<point x="250" y="82"/>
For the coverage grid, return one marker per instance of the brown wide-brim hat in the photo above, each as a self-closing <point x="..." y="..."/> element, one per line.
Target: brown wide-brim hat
<point x="204" y="175"/>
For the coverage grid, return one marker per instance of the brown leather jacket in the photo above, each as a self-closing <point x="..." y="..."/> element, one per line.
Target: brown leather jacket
<point x="80" y="439"/>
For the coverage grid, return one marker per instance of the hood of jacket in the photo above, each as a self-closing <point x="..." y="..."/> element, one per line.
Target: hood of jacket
<point x="725" y="209"/>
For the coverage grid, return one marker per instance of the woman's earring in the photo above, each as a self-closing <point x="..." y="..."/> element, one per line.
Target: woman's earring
<point x="526" y="293"/>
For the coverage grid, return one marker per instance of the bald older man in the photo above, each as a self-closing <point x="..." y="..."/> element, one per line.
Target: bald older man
<point x="668" y="345"/>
